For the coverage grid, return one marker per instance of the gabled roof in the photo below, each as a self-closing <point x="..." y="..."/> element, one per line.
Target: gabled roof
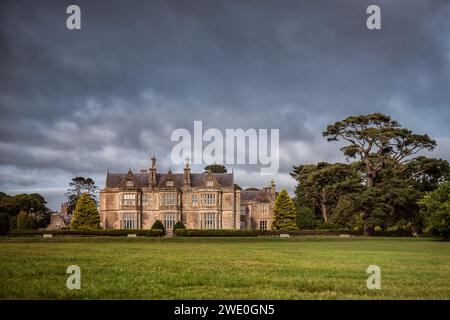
<point x="113" y="180"/>
<point x="263" y="195"/>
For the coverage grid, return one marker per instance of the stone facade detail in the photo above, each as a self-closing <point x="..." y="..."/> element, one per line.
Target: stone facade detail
<point x="199" y="200"/>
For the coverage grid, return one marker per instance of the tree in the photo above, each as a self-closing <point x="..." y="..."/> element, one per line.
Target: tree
<point x="178" y="225"/>
<point x="22" y="220"/>
<point x="216" y="168"/>
<point x="320" y="186"/>
<point x="158" y="225"/>
<point x="346" y="213"/>
<point x="85" y="215"/>
<point x="78" y="186"/>
<point x="4" y="223"/>
<point x="31" y="224"/>
<point x="284" y="212"/>
<point x="435" y="207"/>
<point x="376" y="140"/>
<point x="306" y="218"/>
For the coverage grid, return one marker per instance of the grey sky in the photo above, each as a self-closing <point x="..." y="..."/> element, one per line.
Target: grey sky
<point x="108" y="96"/>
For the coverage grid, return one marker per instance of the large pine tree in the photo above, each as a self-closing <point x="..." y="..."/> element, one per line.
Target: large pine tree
<point x="284" y="212"/>
<point x="85" y="215"/>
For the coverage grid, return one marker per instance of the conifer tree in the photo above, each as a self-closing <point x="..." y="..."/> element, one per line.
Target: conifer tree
<point x="85" y="215"/>
<point x="284" y="212"/>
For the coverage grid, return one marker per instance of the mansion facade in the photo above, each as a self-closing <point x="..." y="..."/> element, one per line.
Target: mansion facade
<point x="199" y="200"/>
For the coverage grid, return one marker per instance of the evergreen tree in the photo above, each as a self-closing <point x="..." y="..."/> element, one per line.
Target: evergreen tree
<point x="85" y="215"/>
<point x="79" y="186"/>
<point x="284" y="212"/>
<point x="216" y="168"/>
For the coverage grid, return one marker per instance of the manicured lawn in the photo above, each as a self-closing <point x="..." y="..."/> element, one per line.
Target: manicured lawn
<point x="224" y="268"/>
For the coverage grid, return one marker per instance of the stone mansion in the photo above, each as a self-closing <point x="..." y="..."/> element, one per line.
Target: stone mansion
<point x="199" y="200"/>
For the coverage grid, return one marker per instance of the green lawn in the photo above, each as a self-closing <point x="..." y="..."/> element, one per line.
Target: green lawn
<point x="224" y="268"/>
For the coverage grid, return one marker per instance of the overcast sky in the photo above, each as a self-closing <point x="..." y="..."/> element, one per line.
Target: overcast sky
<point x="109" y="95"/>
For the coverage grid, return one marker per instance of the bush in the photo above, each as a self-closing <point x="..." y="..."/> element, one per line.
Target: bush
<point x="178" y="225"/>
<point x="158" y="225"/>
<point x="92" y="233"/>
<point x="435" y="208"/>
<point x="4" y="223"/>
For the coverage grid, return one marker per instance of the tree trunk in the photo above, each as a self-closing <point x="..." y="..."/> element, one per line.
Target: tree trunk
<point x="324" y="207"/>
<point x="324" y="213"/>
<point x="368" y="230"/>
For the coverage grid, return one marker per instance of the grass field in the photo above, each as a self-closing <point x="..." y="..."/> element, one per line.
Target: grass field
<point x="224" y="268"/>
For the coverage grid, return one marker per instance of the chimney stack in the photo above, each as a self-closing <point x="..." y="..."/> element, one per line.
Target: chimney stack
<point x="187" y="173"/>
<point x="152" y="175"/>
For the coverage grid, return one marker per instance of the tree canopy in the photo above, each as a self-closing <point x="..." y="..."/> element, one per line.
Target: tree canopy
<point x="216" y="168"/>
<point x="79" y="186"/>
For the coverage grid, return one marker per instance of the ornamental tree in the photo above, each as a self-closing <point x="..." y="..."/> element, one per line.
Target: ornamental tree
<point x="85" y="215"/>
<point x="284" y="212"/>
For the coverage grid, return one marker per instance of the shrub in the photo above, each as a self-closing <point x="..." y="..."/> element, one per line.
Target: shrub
<point x="4" y="223"/>
<point x="178" y="225"/>
<point x="158" y="225"/>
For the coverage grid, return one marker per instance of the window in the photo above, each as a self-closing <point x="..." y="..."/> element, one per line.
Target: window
<point x="208" y="220"/>
<point x="264" y="210"/>
<point x="169" y="199"/>
<point x="129" y="200"/>
<point x="242" y="224"/>
<point x="169" y="183"/>
<point x="210" y="199"/>
<point x="169" y="220"/>
<point x="243" y="210"/>
<point x="194" y="200"/>
<point x="129" y="221"/>
<point x="210" y="183"/>
<point x="146" y="200"/>
<point x="263" y="225"/>
<point x="130" y="183"/>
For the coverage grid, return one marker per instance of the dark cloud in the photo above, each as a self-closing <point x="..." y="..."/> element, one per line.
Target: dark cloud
<point x="78" y="102"/>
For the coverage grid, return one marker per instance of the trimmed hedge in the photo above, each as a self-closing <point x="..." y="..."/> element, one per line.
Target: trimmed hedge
<point x="72" y="232"/>
<point x="256" y="233"/>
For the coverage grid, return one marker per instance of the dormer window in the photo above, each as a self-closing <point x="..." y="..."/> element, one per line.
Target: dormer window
<point x="210" y="183"/>
<point x="130" y="183"/>
<point x="169" y="183"/>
